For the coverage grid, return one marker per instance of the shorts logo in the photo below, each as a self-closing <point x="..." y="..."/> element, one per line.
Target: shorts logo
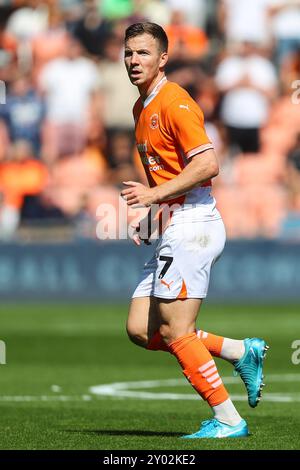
<point x="154" y="121"/>
<point x="167" y="284"/>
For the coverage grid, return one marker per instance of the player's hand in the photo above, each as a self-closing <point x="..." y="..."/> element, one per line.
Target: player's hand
<point x="136" y="236"/>
<point x="138" y="195"/>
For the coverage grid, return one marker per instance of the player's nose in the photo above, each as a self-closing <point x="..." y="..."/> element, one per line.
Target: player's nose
<point x="134" y="59"/>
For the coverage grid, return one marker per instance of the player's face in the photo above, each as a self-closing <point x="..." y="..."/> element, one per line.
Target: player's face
<point x="144" y="61"/>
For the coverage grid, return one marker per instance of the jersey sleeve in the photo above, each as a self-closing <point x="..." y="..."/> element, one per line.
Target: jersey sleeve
<point x="185" y="123"/>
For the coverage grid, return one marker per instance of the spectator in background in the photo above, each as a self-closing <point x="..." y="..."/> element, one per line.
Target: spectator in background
<point x="188" y="75"/>
<point x="4" y="140"/>
<point x="155" y="10"/>
<point x="29" y="20"/>
<point x="289" y="71"/>
<point x="121" y="150"/>
<point x="85" y="122"/>
<point x="244" y="20"/>
<point x="78" y="177"/>
<point x="284" y="119"/>
<point x="50" y="44"/>
<point x="186" y="42"/>
<point x="24" y="112"/>
<point x="92" y="29"/>
<point x="118" y="94"/>
<point x="8" y="50"/>
<point x="293" y="175"/>
<point x="285" y="20"/>
<point x="73" y="11"/>
<point x="40" y="30"/>
<point x="69" y="84"/>
<point x="20" y="175"/>
<point x="40" y="207"/>
<point x="195" y="11"/>
<point x="290" y="228"/>
<point x="249" y="84"/>
<point x="84" y="220"/>
<point x="9" y="220"/>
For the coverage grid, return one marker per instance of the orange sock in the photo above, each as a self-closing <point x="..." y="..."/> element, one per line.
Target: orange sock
<point x="199" y="368"/>
<point x="212" y="342"/>
<point x="157" y="343"/>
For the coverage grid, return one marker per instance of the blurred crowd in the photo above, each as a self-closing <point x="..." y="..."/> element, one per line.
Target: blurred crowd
<point x="66" y="127"/>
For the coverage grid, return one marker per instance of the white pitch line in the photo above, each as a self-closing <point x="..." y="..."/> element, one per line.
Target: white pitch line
<point x="124" y="389"/>
<point x="132" y="390"/>
<point x="272" y="397"/>
<point x="29" y="398"/>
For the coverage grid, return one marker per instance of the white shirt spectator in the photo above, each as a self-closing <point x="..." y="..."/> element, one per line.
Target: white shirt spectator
<point x="68" y="85"/>
<point x="246" y="20"/>
<point x="195" y="10"/>
<point x="286" y="22"/>
<point x="119" y="95"/>
<point x="156" y="11"/>
<point x="244" y="106"/>
<point x="26" y="23"/>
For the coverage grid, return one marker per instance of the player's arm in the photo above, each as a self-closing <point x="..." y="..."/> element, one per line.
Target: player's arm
<point x="222" y="15"/>
<point x="202" y="167"/>
<point x="274" y="9"/>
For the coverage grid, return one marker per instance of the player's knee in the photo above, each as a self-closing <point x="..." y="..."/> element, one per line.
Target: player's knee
<point x="166" y="333"/>
<point x="136" y="336"/>
<point x="171" y="332"/>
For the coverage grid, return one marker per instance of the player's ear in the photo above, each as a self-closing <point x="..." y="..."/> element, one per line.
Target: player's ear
<point x="163" y="59"/>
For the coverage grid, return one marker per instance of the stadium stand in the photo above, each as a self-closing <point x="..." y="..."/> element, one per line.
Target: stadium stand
<point x="66" y="129"/>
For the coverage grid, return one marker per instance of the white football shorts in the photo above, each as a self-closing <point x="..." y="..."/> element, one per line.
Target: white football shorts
<point x="180" y="267"/>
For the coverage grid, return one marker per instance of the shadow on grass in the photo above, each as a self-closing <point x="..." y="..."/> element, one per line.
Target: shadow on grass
<point x="112" y="432"/>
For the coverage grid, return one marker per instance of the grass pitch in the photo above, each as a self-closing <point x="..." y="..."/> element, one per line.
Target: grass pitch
<point x="55" y="353"/>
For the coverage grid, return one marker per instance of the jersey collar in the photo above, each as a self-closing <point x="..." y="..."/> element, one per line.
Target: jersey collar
<point x="154" y="92"/>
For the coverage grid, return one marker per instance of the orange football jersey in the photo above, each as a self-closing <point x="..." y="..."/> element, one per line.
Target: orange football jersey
<point x="169" y="128"/>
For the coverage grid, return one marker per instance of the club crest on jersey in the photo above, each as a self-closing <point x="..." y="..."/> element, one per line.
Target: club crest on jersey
<point x="154" y="121"/>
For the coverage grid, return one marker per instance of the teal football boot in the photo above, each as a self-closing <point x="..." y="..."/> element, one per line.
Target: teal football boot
<point x="212" y="428"/>
<point x="250" y="368"/>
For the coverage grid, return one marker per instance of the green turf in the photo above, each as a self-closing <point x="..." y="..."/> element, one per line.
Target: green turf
<point x="77" y="346"/>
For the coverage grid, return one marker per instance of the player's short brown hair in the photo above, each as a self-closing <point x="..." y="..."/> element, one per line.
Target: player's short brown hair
<point x="153" y="29"/>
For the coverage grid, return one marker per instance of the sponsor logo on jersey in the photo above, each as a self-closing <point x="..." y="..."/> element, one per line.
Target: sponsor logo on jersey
<point x="152" y="161"/>
<point x="154" y="121"/>
<point x="142" y="148"/>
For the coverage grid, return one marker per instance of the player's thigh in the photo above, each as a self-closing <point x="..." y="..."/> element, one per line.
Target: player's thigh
<point x="178" y="317"/>
<point x="143" y="317"/>
<point x="185" y="257"/>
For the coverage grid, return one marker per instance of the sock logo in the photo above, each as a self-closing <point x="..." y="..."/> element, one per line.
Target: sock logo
<point x="210" y="373"/>
<point x="202" y="334"/>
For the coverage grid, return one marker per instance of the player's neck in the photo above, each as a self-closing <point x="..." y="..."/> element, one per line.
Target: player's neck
<point x="146" y="92"/>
